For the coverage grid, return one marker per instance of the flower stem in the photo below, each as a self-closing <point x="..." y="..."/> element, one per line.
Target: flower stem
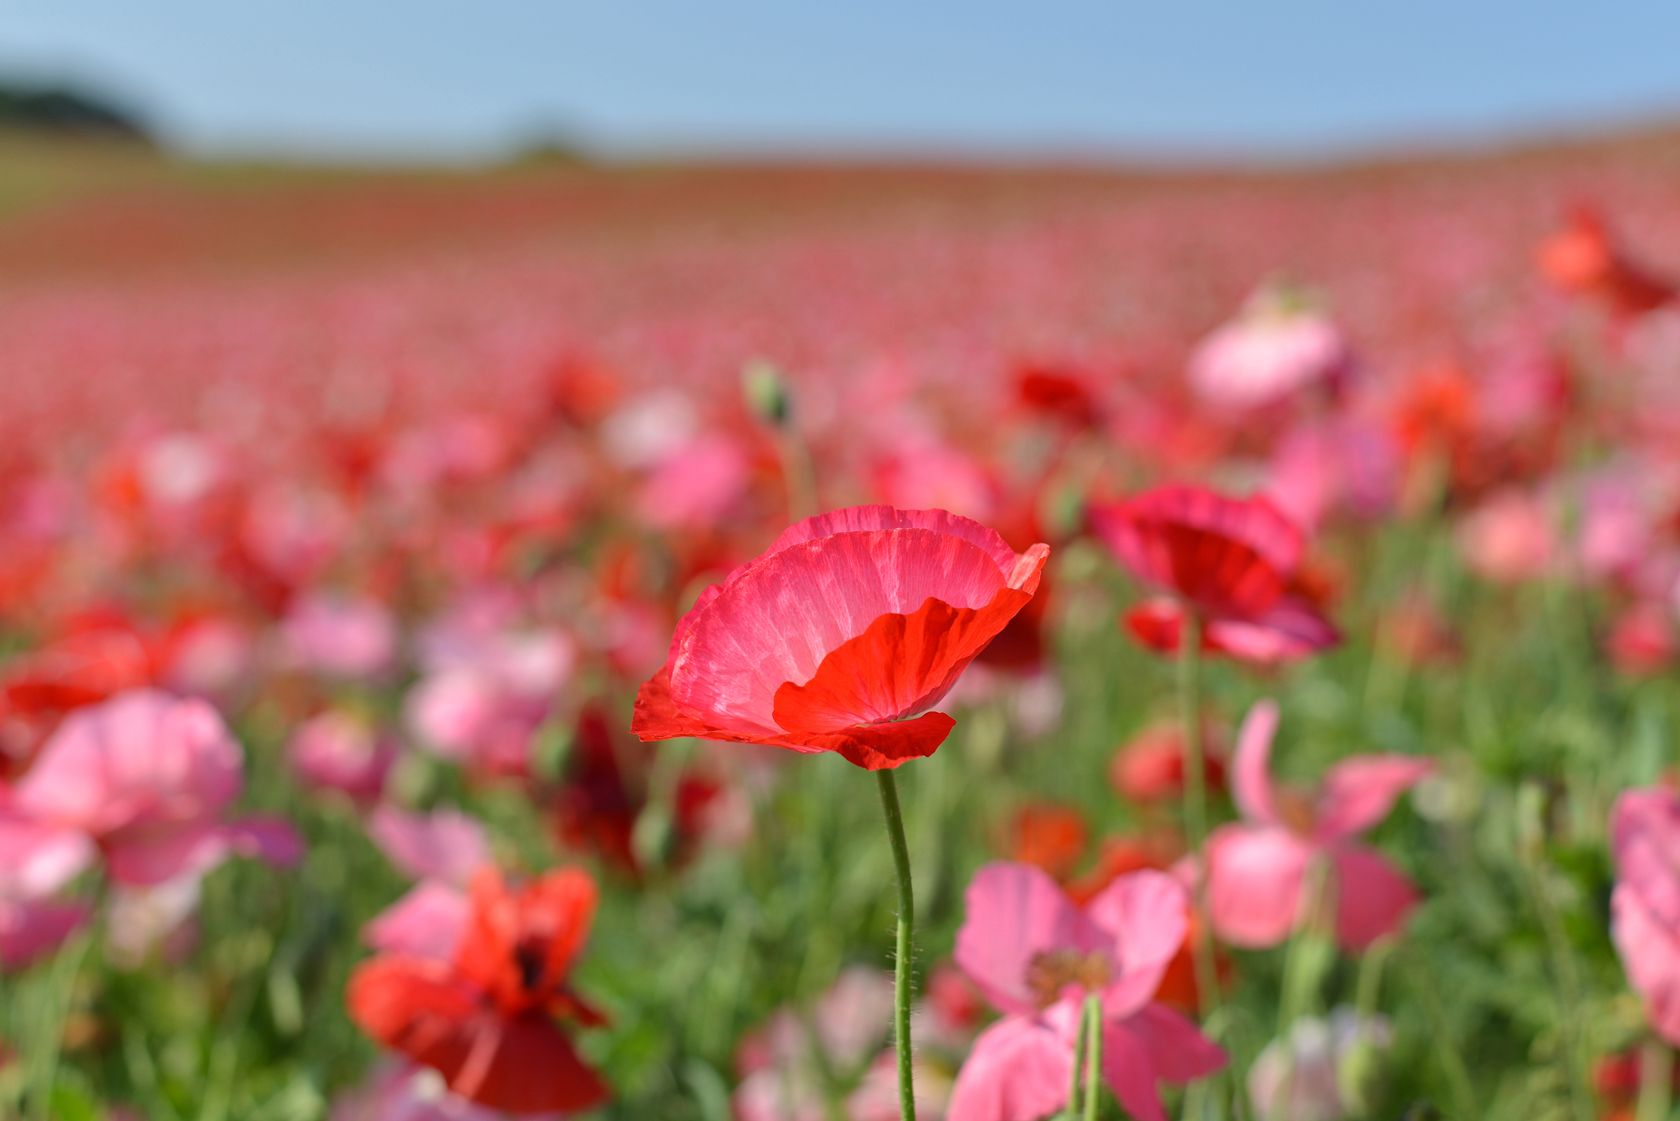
<point x="1656" y="1069"/>
<point x="1071" y="1113"/>
<point x="1195" y="803"/>
<point x="901" y="962"/>
<point x="1093" y="1055"/>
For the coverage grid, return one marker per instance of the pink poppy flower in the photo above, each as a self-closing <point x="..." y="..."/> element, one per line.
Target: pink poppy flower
<point x="695" y="486"/>
<point x="1257" y="869"/>
<point x="337" y="751"/>
<point x="1508" y="538"/>
<point x="1645" y="907"/>
<point x="445" y="845"/>
<point x="841" y="636"/>
<point x="36" y="861"/>
<point x="1035" y="955"/>
<point x="1274" y="349"/>
<point x="1231" y="560"/>
<point x="147" y="777"/>
<point x="341" y="637"/>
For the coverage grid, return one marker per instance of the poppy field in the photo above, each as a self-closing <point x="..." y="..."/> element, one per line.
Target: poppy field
<point x="840" y="643"/>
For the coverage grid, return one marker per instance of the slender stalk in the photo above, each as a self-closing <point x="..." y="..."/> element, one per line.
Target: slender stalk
<point x="1093" y="1055"/>
<point x="1656" y="1071"/>
<point x="1195" y="802"/>
<point x="1568" y="989"/>
<point x="901" y="963"/>
<point x="1071" y="1113"/>
<point x="59" y="999"/>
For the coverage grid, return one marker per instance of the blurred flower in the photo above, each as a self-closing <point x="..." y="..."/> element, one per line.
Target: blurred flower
<point x="1277" y="347"/>
<point x="404" y="1091"/>
<point x="848" y="623"/>
<point x="444" y="845"/>
<point x="1508" y="538"/>
<point x="1036" y="955"/>
<point x="1048" y="836"/>
<point x="340" y="636"/>
<point x="148" y="778"/>
<point x="1645" y="907"/>
<point x="1229" y="560"/>
<point x="339" y="751"/>
<point x="1641" y="640"/>
<point x="1581" y="259"/>
<point x="1344" y="465"/>
<point x="486" y="1019"/>
<point x="1150" y="766"/>
<point x="696" y="485"/>
<point x="1320" y="1071"/>
<point x="1257" y="869"/>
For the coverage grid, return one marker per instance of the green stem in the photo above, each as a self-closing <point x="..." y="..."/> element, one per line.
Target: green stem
<point x="1195" y="801"/>
<point x="901" y="963"/>
<point x="1568" y="988"/>
<point x="1656" y="1070"/>
<point x="60" y="996"/>
<point x="1297" y="961"/>
<point x="1071" y="1113"/>
<point x="1452" y="1063"/>
<point x="1093" y="1055"/>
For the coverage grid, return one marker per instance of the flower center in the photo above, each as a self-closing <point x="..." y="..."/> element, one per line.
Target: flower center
<point x="1050" y="972"/>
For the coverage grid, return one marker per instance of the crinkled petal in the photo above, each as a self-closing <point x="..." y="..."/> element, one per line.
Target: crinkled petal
<point x="899" y="666"/>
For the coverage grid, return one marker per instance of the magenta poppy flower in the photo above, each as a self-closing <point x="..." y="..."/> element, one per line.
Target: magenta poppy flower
<point x="1036" y="955"/>
<point x="1257" y="868"/>
<point x="841" y="636"/>
<point x="1645" y="908"/>
<point x="148" y="777"/>
<point x="1230" y="560"/>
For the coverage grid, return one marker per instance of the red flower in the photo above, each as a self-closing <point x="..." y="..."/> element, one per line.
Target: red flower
<point x="1232" y="561"/>
<point x="1150" y="766"/>
<point x="485" y="1019"/>
<point x="1583" y="260"/>
<point x="849" y="624"/>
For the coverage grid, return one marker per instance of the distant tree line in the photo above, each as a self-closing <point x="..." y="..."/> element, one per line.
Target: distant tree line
<point x="63" y="110"/>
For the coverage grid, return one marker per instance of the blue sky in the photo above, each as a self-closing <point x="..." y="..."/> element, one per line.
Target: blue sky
<point x="467" y="78"/>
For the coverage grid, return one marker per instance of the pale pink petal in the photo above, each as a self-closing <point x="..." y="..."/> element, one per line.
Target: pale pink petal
<point x="1651" y="955"/>
<point x="1372" y="896"/>
<point x="30" y="930"/>
<point x="1018" y="1071"/>
<point x="1251" y="778"/>
<point x="140" y="758"/>
<point x="1645" y="839"/>
<point x="427" y="922"/>
<point x="866" y="519"/>
<point x="444" y="845"/>
<point x="1254" y="883"/>
<point x="1147" y="914"/>
<point x="37" y="859"/>
<point x="1358" y="792"/>
<point x="1014" y="912"/>
<point x="1290" y="630"/>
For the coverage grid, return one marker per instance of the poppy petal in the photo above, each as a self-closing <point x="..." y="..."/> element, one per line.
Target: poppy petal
<point x="900" y="664"/>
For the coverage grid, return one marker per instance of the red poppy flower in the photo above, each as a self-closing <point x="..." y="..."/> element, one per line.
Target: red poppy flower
<point x="841" y="636"/>
<point x="1582" y="259"/>
<point x="1232" y="561"/>
<point x="486" y="1018"/>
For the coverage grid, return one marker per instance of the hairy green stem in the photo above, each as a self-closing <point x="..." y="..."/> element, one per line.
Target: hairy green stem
<point x="1093" y="1055"/>
<point x="901" y="963"/>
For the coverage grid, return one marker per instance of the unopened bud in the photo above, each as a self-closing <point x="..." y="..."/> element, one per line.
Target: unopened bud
<point x="766" y="393"/>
